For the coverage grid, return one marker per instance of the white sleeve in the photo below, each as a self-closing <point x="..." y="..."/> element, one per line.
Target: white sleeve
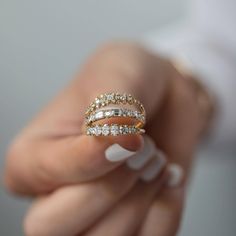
<point x="207" y="43"/>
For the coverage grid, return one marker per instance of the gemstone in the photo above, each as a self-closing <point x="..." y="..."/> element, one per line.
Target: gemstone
<point x="121" y="129"/>
<point x="99" y="115"/>
<point x="124" y="98"/>
<point x="114" y="130"/>
<point x="105" y="130"/>
<point x="88" y="132"/>
<point x="132" y="129"/>
<point x="129" y="113"/>
<point x="108" y="113"/>
<point x="97" y="130"/>
<point x="130" y="98"/>
<point x="97" y="101"/>
<point x="125" y="129"/>
<point x="110" y="96"/>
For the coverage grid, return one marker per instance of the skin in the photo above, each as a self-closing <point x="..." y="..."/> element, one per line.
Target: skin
<point x="77" y="191"/>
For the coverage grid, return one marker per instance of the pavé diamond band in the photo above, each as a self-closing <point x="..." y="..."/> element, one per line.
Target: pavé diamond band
<point x="99" y="110"/>
<point x="113" y="129"/>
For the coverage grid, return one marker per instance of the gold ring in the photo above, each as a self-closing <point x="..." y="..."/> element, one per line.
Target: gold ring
<point x="100" y="110"/>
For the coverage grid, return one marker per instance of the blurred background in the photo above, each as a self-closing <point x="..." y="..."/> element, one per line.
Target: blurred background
<point x="43" y="43"/>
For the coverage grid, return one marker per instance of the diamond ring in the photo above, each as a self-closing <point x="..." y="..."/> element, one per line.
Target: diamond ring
<point x="128" y="121"/>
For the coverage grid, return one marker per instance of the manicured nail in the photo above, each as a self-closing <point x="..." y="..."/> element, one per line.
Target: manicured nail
<point x="116" y="153"/>
<point x="176" y="175"/>
<point x="154" y="168"/>
<point x="141" y="158"/>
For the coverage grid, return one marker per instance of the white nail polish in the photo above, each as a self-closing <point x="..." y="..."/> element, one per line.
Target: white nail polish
<point x="137" y="161"/>
<point x="154" y="168"/>
<point x="176" y="175"/>
<point x="116" y="153"/>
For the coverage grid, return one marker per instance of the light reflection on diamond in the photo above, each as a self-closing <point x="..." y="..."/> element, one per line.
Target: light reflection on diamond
<point x="105" y="130"/>
<point x="114" y="130"/>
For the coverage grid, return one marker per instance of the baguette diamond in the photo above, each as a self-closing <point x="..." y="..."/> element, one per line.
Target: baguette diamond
<point x="115" y="112"/>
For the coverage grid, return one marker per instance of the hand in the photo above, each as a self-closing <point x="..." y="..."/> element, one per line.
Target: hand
<point x="84" y="189"/>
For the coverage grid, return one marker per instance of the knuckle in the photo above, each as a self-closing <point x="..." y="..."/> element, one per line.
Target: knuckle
<point x="47" y="170"/>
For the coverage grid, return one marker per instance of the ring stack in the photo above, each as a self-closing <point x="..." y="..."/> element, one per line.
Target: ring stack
<point x="99" y="110"/>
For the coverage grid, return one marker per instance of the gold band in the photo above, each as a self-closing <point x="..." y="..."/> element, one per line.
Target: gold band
<point x="97" y="112"/>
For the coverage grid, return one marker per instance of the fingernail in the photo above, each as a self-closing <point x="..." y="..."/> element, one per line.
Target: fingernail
<point x="176" y="175"/>
<point x="116" y="153"/>
<point x="137" y="161"/>
<point x="154" y="168"/>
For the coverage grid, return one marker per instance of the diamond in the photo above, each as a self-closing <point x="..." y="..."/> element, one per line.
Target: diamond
<point x="99" y="115"/>
<point x="97" y="130"/>
<point x="131" y="129"/>
<point x="114" y="130"/>
<point x="135" y="113"/>
<point x="88" y="132"/>
<point x="124" y="98"/>
<point x="125" y="129"/>
<point x="121" y="129"/>
<point x="129" y="113"/>
<point x="105" y="130"/>
<point x="110" y="97"/>
<point x="108" y="113"/>
<point x="130" y="99"/>
<point x="97" y="101"/>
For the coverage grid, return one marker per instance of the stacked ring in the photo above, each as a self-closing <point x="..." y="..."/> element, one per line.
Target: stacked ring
<point x="99" y="110"/>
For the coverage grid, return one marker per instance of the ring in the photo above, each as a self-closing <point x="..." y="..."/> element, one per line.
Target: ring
<point x="100" y="109"/>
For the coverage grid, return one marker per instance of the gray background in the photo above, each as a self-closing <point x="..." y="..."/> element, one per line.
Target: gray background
<point x="42" y="43"/>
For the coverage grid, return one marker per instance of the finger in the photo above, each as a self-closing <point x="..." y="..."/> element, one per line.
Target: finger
<point x="179" y="122"/>
<point x="125" y="218"/>
<point x="48" y="164"/>
<point x="70" y="210"/>
<point x="50" y="151"/>
<point x="177" y="136"/>
<point x="164" y="216"/>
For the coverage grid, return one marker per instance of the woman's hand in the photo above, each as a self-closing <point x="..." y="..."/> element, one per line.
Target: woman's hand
<point x="83" y="188"/>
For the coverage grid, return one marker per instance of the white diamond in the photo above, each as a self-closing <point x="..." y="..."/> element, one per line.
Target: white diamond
<point x="126" y="129"/>
<point x="91" y="130"/>
<point x="99" y="115"/>
<point x="91" y="118"/>
<point x="88" y="132"/>
<point x="129" y="113"/>
<point x="130" y="130"/>
<point x="108" y="113"/>
<point x="105" y="130"/>
<point x="114" y="130"/>
<point x="97" y="101"/>
<point x="135" y="113"/>
<point x="110" y="97"/>
<point x="133" y="130"/>
<point x="97" y="130"/>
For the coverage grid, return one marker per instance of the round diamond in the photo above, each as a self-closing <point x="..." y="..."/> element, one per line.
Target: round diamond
<point x="88" y="132"/>
<point x="97" y="101"/>
<point x="110" y="96"/>
<point x="97" y="130"/>
<point x="125" y="129"/>
<point x="129" y="113"/>
<point x="108" y="113"/>
<point x="105" y="130"/>
<point x="114" y="130"/>
<point x="121" y="129"/>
